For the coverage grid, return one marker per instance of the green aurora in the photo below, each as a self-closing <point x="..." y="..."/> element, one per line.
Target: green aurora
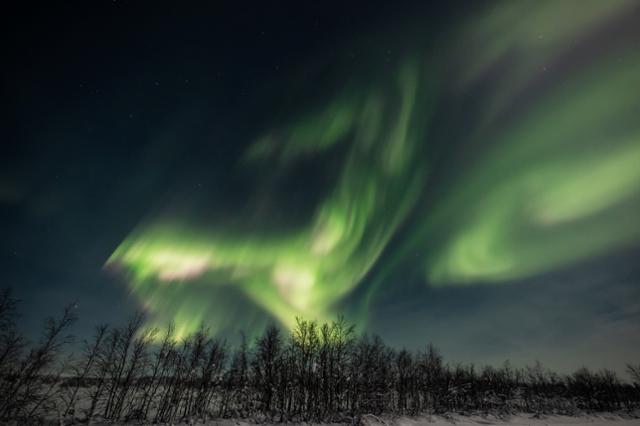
<point x="547" y="177"/>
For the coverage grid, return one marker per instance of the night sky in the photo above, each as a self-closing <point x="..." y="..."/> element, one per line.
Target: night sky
<point x="466" y="173"/>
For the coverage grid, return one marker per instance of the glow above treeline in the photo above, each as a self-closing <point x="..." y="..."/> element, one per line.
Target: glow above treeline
<point x="305" y="271"/>
<point x="551" y="176"/>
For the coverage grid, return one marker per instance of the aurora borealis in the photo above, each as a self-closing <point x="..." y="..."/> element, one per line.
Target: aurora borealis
<point x="304" y="272"/>
<point x="433" y="175"/>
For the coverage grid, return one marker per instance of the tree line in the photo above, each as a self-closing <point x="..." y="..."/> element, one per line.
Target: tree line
<point x="316" y="372"/>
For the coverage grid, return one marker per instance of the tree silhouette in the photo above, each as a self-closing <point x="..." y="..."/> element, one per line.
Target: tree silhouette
<point x="317" y="372"/>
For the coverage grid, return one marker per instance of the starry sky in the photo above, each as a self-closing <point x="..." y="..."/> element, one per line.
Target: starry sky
<point x="455" y="172"/>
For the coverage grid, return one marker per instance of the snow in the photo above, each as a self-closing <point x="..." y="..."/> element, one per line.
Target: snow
<point x="519" y="420"/>
<point x="606" y="419"/>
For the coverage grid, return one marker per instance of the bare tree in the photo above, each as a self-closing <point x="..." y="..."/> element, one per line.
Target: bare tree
<point x="85" y="368"/>
<point x="123" y="342"/>
<point x="25" y="390"/>
<point x="265" y="366"/>
<point x="159" y="370"/>
<point x="634" y="372"/>
<point x="318" y="372"/>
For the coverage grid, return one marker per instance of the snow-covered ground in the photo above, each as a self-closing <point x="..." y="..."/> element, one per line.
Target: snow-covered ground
<point x="520" y="420"/>
<point x="457" y="420"/>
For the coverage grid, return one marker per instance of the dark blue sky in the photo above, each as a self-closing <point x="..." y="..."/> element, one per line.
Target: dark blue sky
<point x="119" y="116"/>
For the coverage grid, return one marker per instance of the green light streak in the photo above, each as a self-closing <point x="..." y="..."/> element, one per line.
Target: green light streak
<point x="552" y="182"/>
<point x="560" y="185"/>
<point x="307" y="271"/>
